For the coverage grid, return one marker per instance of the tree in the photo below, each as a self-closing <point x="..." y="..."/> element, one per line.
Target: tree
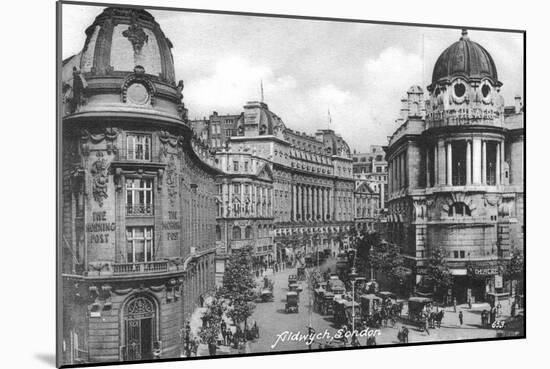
<point x="516" y="267"/>
<point x="213" y="317"/>
<point x="438" y="274"/>
<point x="239" y="285"/>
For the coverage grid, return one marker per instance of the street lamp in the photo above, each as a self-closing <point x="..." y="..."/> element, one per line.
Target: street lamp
<point x="353" y="277"/>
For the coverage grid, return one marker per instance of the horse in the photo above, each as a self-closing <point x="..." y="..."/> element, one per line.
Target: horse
<point x="438" y="317"/>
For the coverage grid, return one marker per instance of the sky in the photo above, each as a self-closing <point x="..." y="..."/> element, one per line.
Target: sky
<point x="357" y="71"/>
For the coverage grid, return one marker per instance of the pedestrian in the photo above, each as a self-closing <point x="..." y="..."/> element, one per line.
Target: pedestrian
<point x="454" y="304"/>
<point x="223" y="328"/>
<point x="426" y="323"/>
<point x="229" y="336"/>
<point x="201" y="300"/>
<point x="470" y="303"/>
<point x="513" y="312"/>
<point x="460" y="317"/>
<point x="204" y="321"/>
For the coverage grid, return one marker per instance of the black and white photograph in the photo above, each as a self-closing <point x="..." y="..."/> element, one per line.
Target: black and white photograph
<point x="235" y="184"/>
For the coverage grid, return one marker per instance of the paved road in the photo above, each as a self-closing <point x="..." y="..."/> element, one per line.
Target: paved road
<point x="273" y="321"/>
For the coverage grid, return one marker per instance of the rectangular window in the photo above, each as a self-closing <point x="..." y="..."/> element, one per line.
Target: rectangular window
<point x="235" y="166"/>
<point x="459" y="163"/>
<point x="455" y="254"/>
<point x="246" y="166"/>
<point x="138" y="147"/>
<point x="139" y="244"/>
<point x="139" y="196"/>
<point x="237" y="188"/>
<point x="462" y="254"/>
<point x="491" y="163"/>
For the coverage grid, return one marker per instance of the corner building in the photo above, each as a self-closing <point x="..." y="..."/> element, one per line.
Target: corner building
<point x="138" y="211"/>
<point x="456" y="175"/>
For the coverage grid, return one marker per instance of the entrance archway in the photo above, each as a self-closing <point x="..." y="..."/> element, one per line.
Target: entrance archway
<point x="140" y="325"/>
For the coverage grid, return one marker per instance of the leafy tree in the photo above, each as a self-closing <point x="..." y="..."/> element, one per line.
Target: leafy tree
<point x="515" y="268"/>
<point x="438" y="274"/>
<point x="239" y="285"/>
<point x="213" y="317"/>
<point x="238" y="281"/>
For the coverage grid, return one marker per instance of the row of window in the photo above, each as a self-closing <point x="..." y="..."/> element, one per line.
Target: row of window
<point x="236" y="232"/>
<point x="363" y="159"/>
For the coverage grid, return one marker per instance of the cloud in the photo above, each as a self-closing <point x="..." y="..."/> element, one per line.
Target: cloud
<point x="231" y="83"/>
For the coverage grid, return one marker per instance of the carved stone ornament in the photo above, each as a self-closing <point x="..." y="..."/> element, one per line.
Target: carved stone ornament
<point x="172" y="180"/>
<point x="100" y="179"/>
<point x="141" y="80"/>
<point x="136" y="35"/>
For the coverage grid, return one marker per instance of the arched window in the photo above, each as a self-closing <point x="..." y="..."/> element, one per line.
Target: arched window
<point x="218" y="233"/>
<point x="248" y="232"/>
<point x="459" y="209"/>
<point x="236" y="233"/>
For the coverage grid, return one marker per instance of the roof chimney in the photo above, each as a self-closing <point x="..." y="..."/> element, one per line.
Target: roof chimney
<point x="404" y="108"/>
<point x="517" y="104"/>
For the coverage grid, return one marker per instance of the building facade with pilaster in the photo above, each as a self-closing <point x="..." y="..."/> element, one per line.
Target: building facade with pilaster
<point x="311" y="194"/>
<point x="456" y="175"/>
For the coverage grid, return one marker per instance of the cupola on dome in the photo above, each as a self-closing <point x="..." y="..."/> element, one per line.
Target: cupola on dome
<point x="466" y="59"/>
<point x="121" y="39"/>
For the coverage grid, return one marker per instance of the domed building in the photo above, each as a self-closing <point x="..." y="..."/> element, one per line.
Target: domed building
<point x="138" y="211"/>
<point x="456" y="177"/>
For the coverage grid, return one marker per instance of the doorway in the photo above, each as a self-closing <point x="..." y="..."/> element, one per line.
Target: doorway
<point x="139" y="321"/>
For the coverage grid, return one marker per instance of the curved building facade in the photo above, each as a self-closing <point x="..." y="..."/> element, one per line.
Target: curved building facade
<point x="138" y="210"/>
<point x="456" y="175"/>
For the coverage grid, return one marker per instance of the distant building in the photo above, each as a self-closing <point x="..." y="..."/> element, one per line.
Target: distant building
<point x="307" y="179"/>
<point x="367" y="206"/>
<point x="456" y="175"/>
<point x="372" y="167"/>
<point x="216" y="130"/>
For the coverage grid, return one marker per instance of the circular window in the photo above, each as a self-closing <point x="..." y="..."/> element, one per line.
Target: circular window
<point x="137" y="94"/>
<point x="460" y="89"/>
<point x="485" y="90"/>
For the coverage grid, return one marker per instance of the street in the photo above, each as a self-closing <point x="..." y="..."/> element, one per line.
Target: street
<point x="273" y="321"/>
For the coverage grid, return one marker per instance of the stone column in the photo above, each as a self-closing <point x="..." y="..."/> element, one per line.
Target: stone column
<point x="502" y="159"/>
<point x="314" y="199"/>
<point x="441" y="162"/>
<point x="322" y="203"/>
<point x="449" y="164"/>
<point x="310" y="202"/>
<point x="293" y="215"/>
<point x="483" y="162"/>
<point x="468" y="163"/>
<point x="427" y="166"/>
<point x="497" y="173"/>
<point x="300" y="202"/>
<point x="330" y="204"/>
<point x="476" y="161"/>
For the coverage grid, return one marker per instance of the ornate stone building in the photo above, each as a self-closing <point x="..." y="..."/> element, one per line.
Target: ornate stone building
<point x="456" y="174"/>
<point x="244" y="206"/>
<point x="311" y="194"/>
<point x="372" y="167"/>
<point x="138" y="209"/>
<point x="367" y="206"/>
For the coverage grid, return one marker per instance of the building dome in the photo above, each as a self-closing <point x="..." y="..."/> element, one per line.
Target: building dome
<point x="467" y="59"/>
<point x="121" y="39"/>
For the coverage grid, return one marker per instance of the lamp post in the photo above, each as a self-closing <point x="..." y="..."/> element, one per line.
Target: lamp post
<point x="353" y="275"/>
